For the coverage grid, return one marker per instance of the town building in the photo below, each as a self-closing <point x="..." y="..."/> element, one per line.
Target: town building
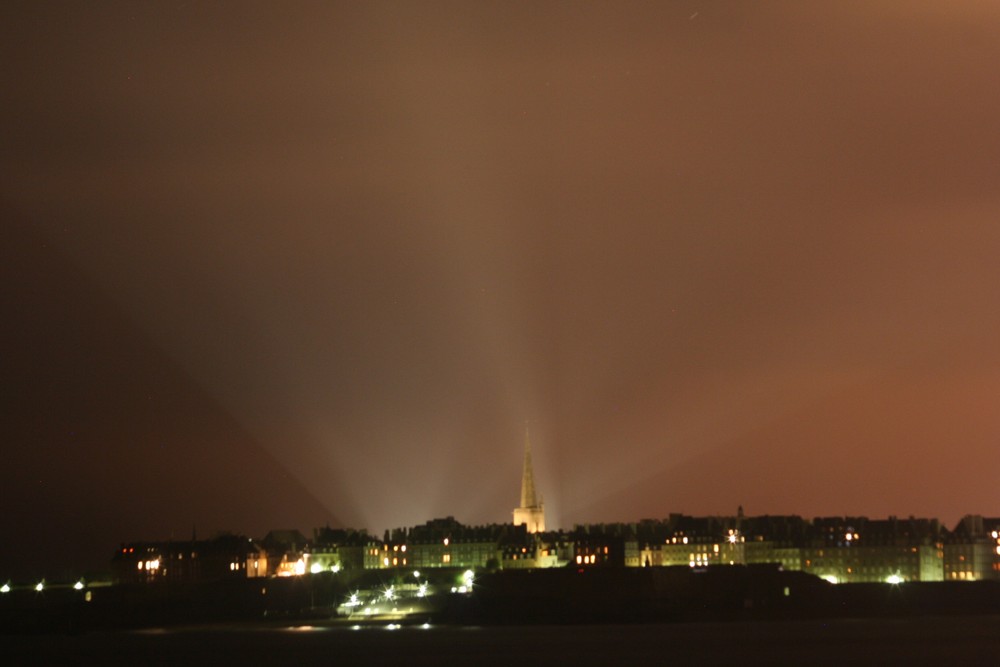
<point x="448" y="543"/>
<point x="221" y="558"/>
<point x="972" y="550"/>
<point x="861" y="550"/>
<point x="337" y="549"/>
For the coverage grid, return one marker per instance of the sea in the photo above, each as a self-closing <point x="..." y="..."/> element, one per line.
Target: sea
<point x="925" y="640"/>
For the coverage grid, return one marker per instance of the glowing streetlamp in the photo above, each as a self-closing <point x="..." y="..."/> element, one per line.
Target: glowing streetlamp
<point x="467" y="579"/>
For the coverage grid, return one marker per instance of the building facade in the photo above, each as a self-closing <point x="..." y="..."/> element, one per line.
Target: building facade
<point x="221" y="558"/>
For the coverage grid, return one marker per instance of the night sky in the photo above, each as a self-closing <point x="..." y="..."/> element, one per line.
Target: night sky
<point x="271" y="265"/>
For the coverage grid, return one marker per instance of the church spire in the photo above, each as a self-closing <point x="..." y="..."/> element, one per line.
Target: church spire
<point x="531" y="513"/>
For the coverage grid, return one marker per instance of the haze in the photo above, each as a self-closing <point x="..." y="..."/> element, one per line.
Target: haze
<point x="282" y="264"/>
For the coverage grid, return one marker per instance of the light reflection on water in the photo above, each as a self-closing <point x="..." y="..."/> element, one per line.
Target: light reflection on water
<point x="913" y="641"/>
<point x="303" y="628"/>
<point x="320" y="627"/>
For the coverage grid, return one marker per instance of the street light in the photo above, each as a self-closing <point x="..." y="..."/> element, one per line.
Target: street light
<point x="467" y="578"/>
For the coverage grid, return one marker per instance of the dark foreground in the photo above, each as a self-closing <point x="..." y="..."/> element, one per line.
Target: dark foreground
<point x="967" y="640"/>
<point x="719" y="616"/>
<point x="597" y="597"/>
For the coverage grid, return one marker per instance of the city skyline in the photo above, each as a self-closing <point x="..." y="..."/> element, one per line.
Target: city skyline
<point x="837" y="549"/>
<point x="266" y="265"/>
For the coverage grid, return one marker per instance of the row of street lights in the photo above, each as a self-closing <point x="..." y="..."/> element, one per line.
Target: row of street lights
<point x="41" y="586"/>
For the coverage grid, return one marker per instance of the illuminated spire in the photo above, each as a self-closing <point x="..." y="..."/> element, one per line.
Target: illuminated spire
<point x="528" y="496"/>
<point x="531" y="512"/>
